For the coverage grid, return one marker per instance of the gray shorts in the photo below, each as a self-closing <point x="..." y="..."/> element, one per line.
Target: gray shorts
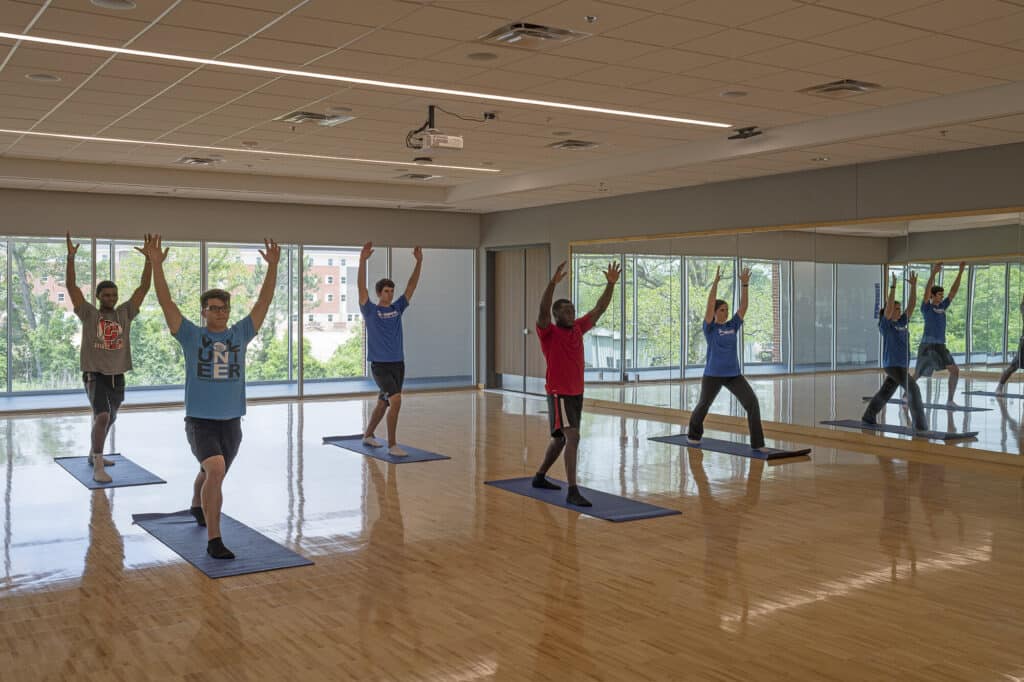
<point x="932" y="357"/>
<point x="211" y="437"/>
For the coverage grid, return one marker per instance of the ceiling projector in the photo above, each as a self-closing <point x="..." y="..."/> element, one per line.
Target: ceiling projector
<point x="432" y="139"/>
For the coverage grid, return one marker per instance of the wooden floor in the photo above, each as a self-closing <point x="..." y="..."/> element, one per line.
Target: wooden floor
<point x="842" y="567"/>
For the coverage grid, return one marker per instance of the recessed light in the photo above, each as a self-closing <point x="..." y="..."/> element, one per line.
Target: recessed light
<point x="360" y="81"/>
<point x="43" y="77"/>
<point x="482" y="56"/>
<point x="734" y="93"/>
<point x="267" y="155"/>
<point x="119" y="5"/>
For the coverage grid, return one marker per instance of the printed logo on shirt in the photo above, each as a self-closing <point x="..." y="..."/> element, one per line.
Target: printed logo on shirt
<point x="109" y="335"/>
<point x="388" y="315"/>
<point x="219" y="359"/>
<point x="939" y="311"/>
<point x="723" y="332"/>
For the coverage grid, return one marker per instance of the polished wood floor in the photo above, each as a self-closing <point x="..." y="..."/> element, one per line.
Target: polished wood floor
<point x="846" y="566"/>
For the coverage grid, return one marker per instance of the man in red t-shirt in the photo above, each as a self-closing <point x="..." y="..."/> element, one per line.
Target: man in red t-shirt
<point x="562" y="345"/>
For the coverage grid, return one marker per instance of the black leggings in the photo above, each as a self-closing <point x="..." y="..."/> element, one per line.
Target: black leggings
<point x="894" y="378"/>
<point x="738" y="386"/>
<point x="1014" y="364"/>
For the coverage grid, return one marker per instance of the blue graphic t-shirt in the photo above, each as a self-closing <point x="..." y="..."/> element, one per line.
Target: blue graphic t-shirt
<point x="722" y="360"/>
<point x="384" y="330"/>
<point x="215" y="369"/>
<point x="934" y="321"/>
<point x="895" y="341"/>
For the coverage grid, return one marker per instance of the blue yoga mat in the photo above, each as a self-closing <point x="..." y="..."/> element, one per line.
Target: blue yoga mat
<point x="904" y="430"/>
<point x="939" y="406"/>
<point x="606" y="506"/>
<point x="993" y="394"/>
<point x="254" y="552"/>
<point x="731" y="448"/>
<point x="355" y="444"/>
<point x="124" y="473"/>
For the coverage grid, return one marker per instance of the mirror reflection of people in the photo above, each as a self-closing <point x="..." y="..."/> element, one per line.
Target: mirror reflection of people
<point x="1018" y="357"/>
<point x="933" y="354"/>
<point x="722" y="368"/>
<point x="893" y="326"/>
<point x="895" y="529"/>
<point x="106" y="353"/>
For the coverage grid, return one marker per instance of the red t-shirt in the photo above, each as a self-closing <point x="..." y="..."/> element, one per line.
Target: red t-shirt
<point x="563" y="350"/>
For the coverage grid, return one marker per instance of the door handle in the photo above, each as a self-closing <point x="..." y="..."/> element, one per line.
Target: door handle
<point x="526" y="331"/>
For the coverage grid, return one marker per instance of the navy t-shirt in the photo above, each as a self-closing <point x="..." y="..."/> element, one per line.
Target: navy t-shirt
<point x="384" y="330"/>
<point x="722" y="359"/>
<point x="895" y="341"/>
<point x="934" y="321"/>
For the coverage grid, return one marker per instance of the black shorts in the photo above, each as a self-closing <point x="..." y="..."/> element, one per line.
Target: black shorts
<point x="105" y="391"/>
<point x="212" y="437"/>
<point x="564" y="412"/>
<point x="389" y="377"/>
<point x="932" y="357"/>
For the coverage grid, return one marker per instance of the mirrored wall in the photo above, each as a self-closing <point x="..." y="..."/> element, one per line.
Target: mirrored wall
<point x="810" y="344"/>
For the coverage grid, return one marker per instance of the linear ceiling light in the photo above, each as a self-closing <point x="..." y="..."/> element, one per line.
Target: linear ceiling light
<point x="360" y="81"/>
<point x="260" y="152"/>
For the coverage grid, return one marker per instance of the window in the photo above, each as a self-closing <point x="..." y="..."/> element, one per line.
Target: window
<point x="309" y="318"/>
<point x="858" y="297"/>
<point x="344" y="279"/>
<point x="765" y="328"/>
<point x="342" y="262"/>
<point x="330" y="279"/>
<point x="44" y="279"/>
<point x="330" y="298"/>
<point x="603" y="345"/>
<point x="3" y="316"/>
<point x="330" y="261"/>
<point x="330" y="318"/>
<point x="344" y="297"/>
<point x="60" y="296"/>
<point x="350" y="316"/>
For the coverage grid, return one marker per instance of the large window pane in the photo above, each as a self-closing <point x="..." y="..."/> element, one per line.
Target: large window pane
<point x="956" y="314"/>
<point x="240" y="269"/>
<point x="602" y="346"/>
<point x="989" y="286"/>
<point x="858" y="297"/>
<point x="3" y="315"/>
<point x="812" y="316"/>
<point x="438" y="326"/>
<point x="156" y="357"/>
<point x="333" y="348"/>
<point x="765" y="333"/>
<point x="45" y="332"/>
<point x="700" y="273"/>
<point x="653" y="293"/>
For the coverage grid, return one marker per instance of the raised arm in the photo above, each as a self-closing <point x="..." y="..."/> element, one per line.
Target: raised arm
<point x="744" y="288"/>
<point x="544" y="314"/>
<point x="611" y="276"/>
<point x="364" y="256"/>
<point x="936" y="269"/>
<point x="156" y="256"/>
<point x="272" y="256"/>
<point x="414" y="278"/>
<point x="709" y="311"/>
<point x="912" y="300"/>
<point x="147" y="277"/>
<point x="890" y="300"/>
<point x="70" y="281"/>
<point x="956" y="282"/>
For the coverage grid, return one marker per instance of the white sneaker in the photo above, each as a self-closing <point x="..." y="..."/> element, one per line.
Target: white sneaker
<point x="372" y="442"/>
<point x="396" y="451"/>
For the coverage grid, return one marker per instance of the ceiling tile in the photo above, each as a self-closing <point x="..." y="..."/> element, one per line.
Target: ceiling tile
<point x="85" y="25"/>
<point x="805" y="22"/>
<point x="870" y="36"/>
<point x="508" y="82"/>
<point x="216" y="17"/>
<point x="349" y="62"/>
<point x="875" y="8"/>
<point x="856" y="66"/>
<point x="55" y="60"/>
<point x="797" y="55"/>
<point x="733" y="71"/>
<point x="14" y="16"/>
<point x="571" y="14"/>
<point x="312" y="31"/>
<point x="731" y="13"/>
<point x="402" y="44"/>
<point x="161" y="72"/>
<point x="238" y="81"/>
<point x="984" y="61"/>
<point x="266" y="52"/>
<point x="679" y="85"/>
<point x="189" y="42"/>
<point x="926" y="78"/>
<point x="734" y="43"/>
<point x="603" y="49"/>
<point x="672" y="61"/>
<point x="446" y="23"/>
<point x="1013" y="123"/>
<point x="376" y="13"/>
<point x="926" y="50"/>
<point x="950" y="14"/>
<point x="586" y="93"/>
<point x="789" y="81"/>
<point x="614" y="75"/>
<point x="1001" y="31"/>
<point x="550" y="65"/>
<point x="664" y="30"/>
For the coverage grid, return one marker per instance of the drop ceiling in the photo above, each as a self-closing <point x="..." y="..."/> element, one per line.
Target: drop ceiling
<point x="959" y="61"/>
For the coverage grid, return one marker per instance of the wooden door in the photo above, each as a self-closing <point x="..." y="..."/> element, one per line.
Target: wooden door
<point x="538" y="274"/>
<point x="509" y="341"/>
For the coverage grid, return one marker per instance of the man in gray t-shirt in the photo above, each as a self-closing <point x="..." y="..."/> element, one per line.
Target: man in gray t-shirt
<point x="106" y="351"/>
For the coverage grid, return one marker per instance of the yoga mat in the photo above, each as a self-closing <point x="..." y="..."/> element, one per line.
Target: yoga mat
<point x="938" y="406"/>
<point x="127" y="473"/>
<point x="906" y="431"/>
<point x="731" y="448"/>
<point x="606" y="506"/>
<point x="355" y="444"/>
<point x="993" y="394"/>
<point x="254" y="552"/>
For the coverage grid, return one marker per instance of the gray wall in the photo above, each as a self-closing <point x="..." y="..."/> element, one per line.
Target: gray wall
<point x="953" y="245"/>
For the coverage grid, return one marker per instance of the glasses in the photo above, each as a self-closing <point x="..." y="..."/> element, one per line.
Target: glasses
<point x="218" y="308"/>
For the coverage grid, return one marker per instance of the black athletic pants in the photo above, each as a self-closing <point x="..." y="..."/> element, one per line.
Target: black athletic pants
<point x="894" y="378"/>
<point x="738" y="386"/>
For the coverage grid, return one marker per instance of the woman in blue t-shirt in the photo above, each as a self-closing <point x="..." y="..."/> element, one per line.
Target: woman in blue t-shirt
<point x="723" y="366"/>
<point x="893" y="325"/>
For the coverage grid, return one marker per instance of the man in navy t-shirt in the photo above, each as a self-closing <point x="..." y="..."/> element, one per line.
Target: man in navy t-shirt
<point x="214" y="383"/>
<point x="384" y="346"/>
<point x="932" y="354"/>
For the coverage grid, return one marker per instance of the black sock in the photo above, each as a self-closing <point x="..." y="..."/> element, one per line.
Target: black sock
<point x="576" y="499"/>
<point x="198" y="513"/>
<point x="217" y="550"/>
<point x="540" y="482"/>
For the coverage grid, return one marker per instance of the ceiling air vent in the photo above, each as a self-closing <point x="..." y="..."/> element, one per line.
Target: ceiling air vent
<point x="573" y="145"/>
<point x="198" y="161"/>
<point x="418" y="176"/>
<point x="844" y="88"/>
<point x="326" y="120"/>
<point x="522" y="34"/>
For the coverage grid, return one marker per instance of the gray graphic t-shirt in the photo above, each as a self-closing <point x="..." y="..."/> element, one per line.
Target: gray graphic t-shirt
<point x="106" y="344"/>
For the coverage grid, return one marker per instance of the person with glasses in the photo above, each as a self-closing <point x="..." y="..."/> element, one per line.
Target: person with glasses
<point x="214" y="382"/>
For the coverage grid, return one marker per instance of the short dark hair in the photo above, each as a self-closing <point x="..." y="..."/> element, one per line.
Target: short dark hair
<point x="719" y="303"/>
<point x="215" y="293"/>
<point x="559" y="303"/>
<point x="105" y="284"/>
<point x="382" y="283"/>
<point x="936" y="289"/>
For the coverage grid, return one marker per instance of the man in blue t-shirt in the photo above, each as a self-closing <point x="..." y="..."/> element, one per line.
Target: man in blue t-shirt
<point x="893" y="326"/>
<point x="932" y="354"/>
<point x="384" y="346"/>
<point x="214" y="382"/>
